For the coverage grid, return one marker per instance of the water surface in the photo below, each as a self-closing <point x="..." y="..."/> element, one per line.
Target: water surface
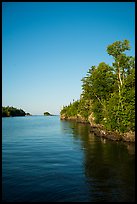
<point x="45" y="159"/>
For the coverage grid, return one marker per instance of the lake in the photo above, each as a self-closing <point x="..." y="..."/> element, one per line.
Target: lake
<point x="45" y="159"/>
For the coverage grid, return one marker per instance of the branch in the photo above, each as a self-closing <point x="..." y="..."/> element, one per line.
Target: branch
<point x="99" y="100"/>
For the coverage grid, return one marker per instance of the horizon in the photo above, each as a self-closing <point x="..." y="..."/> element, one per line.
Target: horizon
<point x="48" y="47"/>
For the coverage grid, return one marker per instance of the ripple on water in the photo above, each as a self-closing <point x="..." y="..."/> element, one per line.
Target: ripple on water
<point x="45" y="159"/>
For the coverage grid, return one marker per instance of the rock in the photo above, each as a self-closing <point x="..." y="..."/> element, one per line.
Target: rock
<point x="77" y="118"/>
<point x="91" y="119"/>
<point x="100" y="131"/>
<point x="129" y="137"/>
<point x="115" y="136"/>
<point x="28" y="114"/>
<point x="47" y="114"/>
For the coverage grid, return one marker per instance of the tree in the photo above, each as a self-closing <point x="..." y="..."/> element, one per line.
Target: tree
<point x="123" y="66"/>
<point x="12" y="111"/>
<point x="97" y="87"/>
<point x="117" y="50"/>
<point x="47" y="113"/>
<point x="108" y="92"/>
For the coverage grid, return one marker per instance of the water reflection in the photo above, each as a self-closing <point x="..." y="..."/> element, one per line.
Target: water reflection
<point x="109" y="166"/>
<point x="130" y="148"/>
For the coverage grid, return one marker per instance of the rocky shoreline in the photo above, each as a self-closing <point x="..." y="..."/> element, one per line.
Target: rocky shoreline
<point x="78" y="119"/>
<point x="115" y="136"/>
<point x="100" y="131"/>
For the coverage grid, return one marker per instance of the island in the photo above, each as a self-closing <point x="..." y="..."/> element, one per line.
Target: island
<point x="47" y="114"/>
<point x="28" y="114"/>
<point x="12" y="111"/>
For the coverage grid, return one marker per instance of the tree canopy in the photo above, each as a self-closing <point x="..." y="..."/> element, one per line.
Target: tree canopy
<point x="108" y="92"/>
<point x="47" y="113"/>
<point x="12" y="111"/>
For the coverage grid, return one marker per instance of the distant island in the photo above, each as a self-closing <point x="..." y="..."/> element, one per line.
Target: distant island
<point x="28" y="114"/>
<point x="12" y="111"/>
<point x="47" y="114"/>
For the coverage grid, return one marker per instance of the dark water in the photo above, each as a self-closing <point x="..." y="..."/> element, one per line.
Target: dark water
<point x="45" y="159"/>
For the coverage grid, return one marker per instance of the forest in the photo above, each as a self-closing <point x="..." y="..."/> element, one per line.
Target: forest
<point x="108" y="92"/>
<point x="12" y="111"/>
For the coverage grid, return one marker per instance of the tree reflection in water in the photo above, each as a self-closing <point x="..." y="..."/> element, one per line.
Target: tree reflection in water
<point x="109" y="165"/>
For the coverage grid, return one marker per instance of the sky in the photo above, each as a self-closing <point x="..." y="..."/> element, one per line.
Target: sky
<point x="48" y="47"/>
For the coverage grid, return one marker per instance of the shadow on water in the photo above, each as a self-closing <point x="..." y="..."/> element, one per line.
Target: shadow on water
<point x="109" y="166"/>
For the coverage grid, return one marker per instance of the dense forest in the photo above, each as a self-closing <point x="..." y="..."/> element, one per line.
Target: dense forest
<point x="11" y="111"/>
<point x="108" y="92"/>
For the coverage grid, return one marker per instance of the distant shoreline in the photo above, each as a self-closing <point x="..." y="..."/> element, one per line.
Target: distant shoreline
<point x="26" y="116"/>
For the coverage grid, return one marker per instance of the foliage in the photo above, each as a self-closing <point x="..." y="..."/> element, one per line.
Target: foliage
<point x="71" y="109"/>
<point x="11" y="111"/>
<point x="109" y="92"/>
<point x="47" y="113"/>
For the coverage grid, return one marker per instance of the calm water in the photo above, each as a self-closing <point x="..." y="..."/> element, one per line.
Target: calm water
<point x="45" y="159"/>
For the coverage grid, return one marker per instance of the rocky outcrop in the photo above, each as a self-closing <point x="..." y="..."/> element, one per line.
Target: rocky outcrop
<point x="63" y="117"/>
<point x="77" y="118"/>
<point x="91" y="120"/>
<point x="100" y="131"/>
<point x="126" y="137"/>
<point x="28" y="114"/>
<point x="47" y="114"/>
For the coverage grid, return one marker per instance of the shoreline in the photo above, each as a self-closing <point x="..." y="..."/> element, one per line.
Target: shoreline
<point x="100" y="131"/>
<point x="113" y="135"/>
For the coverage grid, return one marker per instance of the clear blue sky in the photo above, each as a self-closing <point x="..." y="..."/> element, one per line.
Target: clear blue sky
<point x="47" y="48"/>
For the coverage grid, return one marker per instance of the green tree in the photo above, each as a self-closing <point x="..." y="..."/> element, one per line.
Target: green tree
<point x="123" y="67"/>
<point x="97" y="87"/>
<point x="109" y="91"/>
<point x="12" y="111"/>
